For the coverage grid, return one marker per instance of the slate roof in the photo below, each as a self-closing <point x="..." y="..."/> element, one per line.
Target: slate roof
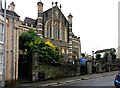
<point x="10" y="13"/>
<point x="30" y="21"/>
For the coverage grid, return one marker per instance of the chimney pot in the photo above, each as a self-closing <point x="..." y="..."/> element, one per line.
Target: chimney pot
<point x="11" y="7"/>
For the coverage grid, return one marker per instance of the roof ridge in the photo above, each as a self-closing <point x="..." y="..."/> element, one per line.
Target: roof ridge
<point x="30" y="18"/>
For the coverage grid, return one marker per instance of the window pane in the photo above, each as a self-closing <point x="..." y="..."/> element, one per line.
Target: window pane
<point x="0" y="37"/>
<point x="0" y="68"/>
<point x="1" y="28"/>
<point x="47" y="31"/>
<point x="1" y="58"/>
<point x="50" y="31"/>
<point x="58" y="33"/>
<point x="63" y="35"/>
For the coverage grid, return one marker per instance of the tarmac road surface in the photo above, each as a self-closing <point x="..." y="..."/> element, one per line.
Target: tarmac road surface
<point x="102" y="81"/>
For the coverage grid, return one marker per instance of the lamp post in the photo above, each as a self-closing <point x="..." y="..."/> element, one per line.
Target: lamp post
<point x="3" y="60"/>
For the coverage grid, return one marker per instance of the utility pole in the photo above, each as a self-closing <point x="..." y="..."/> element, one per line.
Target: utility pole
<point x="3" y="60"/>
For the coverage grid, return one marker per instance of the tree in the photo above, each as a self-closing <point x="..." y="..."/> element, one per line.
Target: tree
<point x="49" y="53"/>
<point x="30" y="43"/>
<point x="98" y="57"/>
<point x="113" y="55"/>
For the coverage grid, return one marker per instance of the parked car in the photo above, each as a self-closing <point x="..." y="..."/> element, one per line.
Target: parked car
<point x="117" y="81"/>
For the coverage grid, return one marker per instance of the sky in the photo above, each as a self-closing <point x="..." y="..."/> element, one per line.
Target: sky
<point x="94" y="21"/>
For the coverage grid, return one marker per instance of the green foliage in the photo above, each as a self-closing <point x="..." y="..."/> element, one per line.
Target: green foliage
<point x="105" y="56"/>
<point x="48" y="55"/>
<point x="30" y="43"/>
<point x="98" y="56"/>
<point x="113" y="55"/>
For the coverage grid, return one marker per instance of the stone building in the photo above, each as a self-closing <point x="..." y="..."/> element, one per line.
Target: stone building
<point x="50" y="25"/>
<point x="12" y="42"/>
<point x="1" y="40"/>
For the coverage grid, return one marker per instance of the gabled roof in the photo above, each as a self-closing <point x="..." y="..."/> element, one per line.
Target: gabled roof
<point x="10" y="13"/>
<point x="58" y="10"/>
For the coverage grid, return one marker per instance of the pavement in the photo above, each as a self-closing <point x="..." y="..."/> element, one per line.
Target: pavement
<point x="61" y="81"/>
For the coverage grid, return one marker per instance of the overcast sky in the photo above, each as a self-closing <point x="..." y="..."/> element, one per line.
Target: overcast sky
<point x="94" y="21"/>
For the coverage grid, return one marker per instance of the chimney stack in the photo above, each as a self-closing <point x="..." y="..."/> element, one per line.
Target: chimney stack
<point x="11" y="7"/>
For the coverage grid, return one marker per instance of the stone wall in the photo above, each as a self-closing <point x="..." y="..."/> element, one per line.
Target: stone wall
<point x="89" y="67"/>
<point x="46" y="71"/>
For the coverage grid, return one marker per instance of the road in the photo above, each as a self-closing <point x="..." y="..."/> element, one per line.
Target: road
<point x="103" y="81"/>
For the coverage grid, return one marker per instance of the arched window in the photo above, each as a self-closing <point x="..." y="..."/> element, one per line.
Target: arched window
<point x="59" y="31"/>
<point x="63" y="32"/>
<point x="56" y="28"/>
<point x="48" y="29"/>
<point x="58" y="34"/>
